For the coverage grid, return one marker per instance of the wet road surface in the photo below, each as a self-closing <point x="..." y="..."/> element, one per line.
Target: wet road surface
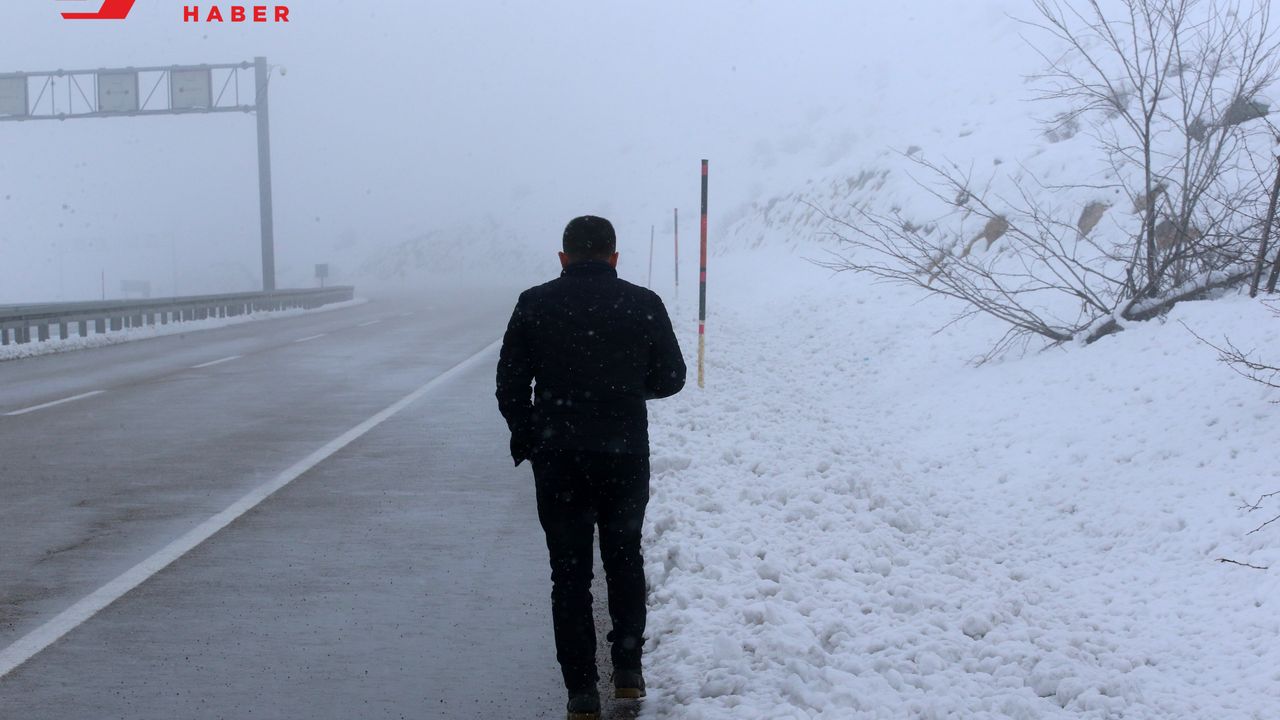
<point x="404" y="575"/>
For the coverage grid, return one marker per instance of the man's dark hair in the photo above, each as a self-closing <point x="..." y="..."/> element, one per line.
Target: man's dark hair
<point x="589" y="238"/>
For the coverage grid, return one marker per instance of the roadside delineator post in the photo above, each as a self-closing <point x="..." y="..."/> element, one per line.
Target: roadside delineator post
<point x="702" y="284"/>
<point x="676" y="224"/>
<point x="649" y="282"/>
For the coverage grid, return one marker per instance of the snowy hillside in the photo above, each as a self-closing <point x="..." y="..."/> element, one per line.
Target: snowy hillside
<point x="852" y="521"/>
<point x="456" y="253"/>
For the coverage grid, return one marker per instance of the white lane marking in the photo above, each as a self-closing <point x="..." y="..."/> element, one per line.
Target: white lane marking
<point x="367" y="324"/>
<point x="310" y="338"/>
<point x="405" y="314"/>
<point x="64" y="622"/>
<point x="73" y="398"/>
<point x="211" y="363"/>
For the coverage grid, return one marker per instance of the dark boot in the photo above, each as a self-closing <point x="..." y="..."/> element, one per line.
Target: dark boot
<point x="584" y="706"/>
<point x="628" y="684"/>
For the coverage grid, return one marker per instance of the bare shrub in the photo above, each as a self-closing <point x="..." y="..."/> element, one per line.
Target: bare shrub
<point x="1172" y="93"/>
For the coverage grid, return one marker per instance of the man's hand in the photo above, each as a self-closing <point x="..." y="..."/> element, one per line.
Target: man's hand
<point x="522" y="443"/>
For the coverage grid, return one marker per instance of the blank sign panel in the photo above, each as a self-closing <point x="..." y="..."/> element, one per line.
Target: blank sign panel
<point x="118" y="92"/>
<point x="13" y="95"/>
<point x="190" y="89"/>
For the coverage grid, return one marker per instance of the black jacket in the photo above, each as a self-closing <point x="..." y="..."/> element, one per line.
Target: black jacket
<point x="597" y="347"/>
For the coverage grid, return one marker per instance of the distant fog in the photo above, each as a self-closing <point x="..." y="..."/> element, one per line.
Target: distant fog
<point x="395" y="120"/>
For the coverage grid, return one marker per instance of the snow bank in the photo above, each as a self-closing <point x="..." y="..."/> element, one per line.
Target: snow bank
<point x="853" y="521"/>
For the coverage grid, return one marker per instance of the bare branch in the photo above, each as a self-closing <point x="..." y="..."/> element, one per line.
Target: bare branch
<point x="1241" y="564"/>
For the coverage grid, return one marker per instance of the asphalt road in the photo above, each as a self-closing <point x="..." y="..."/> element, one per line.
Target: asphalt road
<point x="403" y="575"/>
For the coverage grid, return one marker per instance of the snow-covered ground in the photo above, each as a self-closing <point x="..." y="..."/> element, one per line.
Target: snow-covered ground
<point x="854" y="521"/>
<point x="75" y="342"/>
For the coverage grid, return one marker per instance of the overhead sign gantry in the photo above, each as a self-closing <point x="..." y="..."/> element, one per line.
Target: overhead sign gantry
<point x="138" y="91"/>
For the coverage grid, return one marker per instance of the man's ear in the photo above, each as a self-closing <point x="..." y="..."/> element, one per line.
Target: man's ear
<point x="613" y="261"/>
<point x="564" y="260"/>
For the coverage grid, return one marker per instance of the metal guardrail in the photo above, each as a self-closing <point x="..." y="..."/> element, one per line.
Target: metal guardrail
<point x="17" y="321"/>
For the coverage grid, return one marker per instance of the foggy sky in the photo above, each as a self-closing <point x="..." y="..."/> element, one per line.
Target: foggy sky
<point x="394" y="118"/>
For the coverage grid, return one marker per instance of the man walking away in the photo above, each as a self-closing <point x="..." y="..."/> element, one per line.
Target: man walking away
<point x="597" y="348"/>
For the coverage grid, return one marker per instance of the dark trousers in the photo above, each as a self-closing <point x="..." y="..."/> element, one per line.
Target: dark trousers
<point x="576" y="492"/>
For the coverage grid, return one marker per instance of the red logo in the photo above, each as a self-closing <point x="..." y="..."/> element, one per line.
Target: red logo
<point x="110" y="10"/>
<point x="214" y="13"/>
